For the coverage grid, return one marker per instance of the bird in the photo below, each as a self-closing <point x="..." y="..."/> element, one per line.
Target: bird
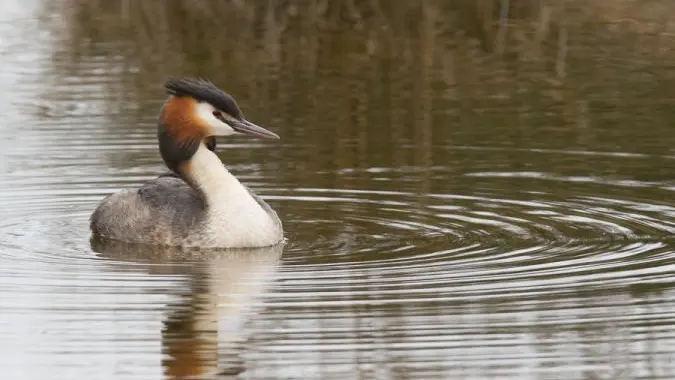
<point x="199" y="202"/>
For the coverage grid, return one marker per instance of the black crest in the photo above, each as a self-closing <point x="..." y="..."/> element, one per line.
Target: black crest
<point x="204" y="91"/>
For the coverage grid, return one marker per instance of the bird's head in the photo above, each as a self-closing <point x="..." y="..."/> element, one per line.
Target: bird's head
<point x="195" y="112"/>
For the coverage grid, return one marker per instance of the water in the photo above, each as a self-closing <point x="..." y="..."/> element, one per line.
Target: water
<point x="437" y="228"/>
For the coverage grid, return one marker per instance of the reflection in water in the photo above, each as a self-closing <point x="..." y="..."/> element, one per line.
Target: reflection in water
<point x="371" y="76"/>
<point x="203" y="333"/>
<point x="470" y="190"/>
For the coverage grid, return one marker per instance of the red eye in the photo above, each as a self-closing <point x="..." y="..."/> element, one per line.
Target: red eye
<point x="217" y="114"/>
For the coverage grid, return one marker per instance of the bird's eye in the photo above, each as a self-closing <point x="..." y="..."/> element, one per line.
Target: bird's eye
<point x="217" y="114"/>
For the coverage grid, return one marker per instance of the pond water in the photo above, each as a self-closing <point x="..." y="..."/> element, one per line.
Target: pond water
<point x="471" y="227"/>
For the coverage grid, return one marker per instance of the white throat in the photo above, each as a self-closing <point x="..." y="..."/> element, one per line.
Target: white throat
<point x="234" y="217"/>
<point x="212" y="178"/>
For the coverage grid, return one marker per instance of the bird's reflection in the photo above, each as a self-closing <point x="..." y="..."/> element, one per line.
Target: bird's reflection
<point x="203" y="333"/>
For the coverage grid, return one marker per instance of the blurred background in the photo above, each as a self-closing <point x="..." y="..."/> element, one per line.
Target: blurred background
<point x="470" y="189"/>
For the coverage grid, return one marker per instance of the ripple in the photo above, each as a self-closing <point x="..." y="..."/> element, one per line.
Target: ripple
<point x="475" y="262"/>
<point x="355" y="251"/>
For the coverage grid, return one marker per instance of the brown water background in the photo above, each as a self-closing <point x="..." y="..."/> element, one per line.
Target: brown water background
<point x="470" y="190"/>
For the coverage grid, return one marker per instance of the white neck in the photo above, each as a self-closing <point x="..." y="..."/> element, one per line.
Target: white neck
<point x="214" y="180"/>
<point x="235" y="219"/>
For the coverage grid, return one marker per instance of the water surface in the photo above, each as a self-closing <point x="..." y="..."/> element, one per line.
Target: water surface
<point x="452" y="210"/>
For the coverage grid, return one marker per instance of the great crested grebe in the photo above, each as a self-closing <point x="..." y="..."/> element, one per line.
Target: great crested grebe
<point x="199" y="204"/>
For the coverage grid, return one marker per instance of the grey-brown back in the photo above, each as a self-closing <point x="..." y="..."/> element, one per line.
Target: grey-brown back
<point x="163" y="211"/>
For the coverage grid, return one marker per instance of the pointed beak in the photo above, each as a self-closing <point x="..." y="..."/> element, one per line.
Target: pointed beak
<point x="245" y="127"/>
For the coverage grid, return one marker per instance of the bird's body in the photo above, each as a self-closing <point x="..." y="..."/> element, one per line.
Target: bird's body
<point x="199" y="204"/>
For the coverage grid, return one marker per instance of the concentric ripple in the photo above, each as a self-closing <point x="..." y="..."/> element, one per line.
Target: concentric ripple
<point x="394" y="280"/>
<point x="368" y="275"/>
<point x="525" y="275"/>
<point x="476" y="262"/>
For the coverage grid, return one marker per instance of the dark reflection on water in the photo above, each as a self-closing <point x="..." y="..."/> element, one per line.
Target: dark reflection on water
<point x="202" y="334"/>
<point x="469" y="191"/>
